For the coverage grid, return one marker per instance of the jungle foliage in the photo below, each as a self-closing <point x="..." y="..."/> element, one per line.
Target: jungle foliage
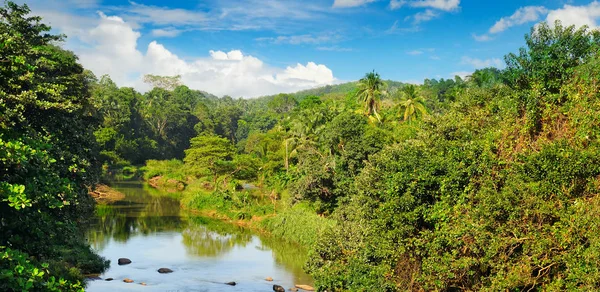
<point x="48" y="159"/>
<point x="497" y="193"/>
<point x="484" y="183"/>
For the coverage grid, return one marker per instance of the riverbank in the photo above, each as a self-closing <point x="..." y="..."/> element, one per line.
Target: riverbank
<point x="105" y="195"/>
<point x="265" y="211"/>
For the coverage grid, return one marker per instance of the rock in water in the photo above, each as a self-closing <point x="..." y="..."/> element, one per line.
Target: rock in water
<point x="127" y="280"/>
<point x="124" y="261"/>
<point x="278" y="288"/>
<point x="269" y="279"/>
<point x="231" y="283"/>
<point x="293" y="289"/>
<point x="93" y="277"/>
<point x="165" y="270"/>
<point x="109" y="279"/>
<point x="305" y="287"/>
<point x="143" y="284"/>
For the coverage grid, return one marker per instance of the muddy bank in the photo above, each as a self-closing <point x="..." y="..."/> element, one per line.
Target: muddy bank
<point x="104" y="194"/>
<point x="168" y="185"/>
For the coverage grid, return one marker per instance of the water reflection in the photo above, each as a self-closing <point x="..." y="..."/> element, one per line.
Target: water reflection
<point x="153" y="229"/>
<point x="138" y="214"/>
<point x="209" y="238"/>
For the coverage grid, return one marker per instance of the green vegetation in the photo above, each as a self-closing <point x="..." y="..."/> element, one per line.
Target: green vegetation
<point x="494" y="193"/>
<point x="48" y="159"/>
<point x="489" y="183"/>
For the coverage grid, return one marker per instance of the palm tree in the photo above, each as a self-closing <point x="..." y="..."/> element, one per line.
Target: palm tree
<point x="370" y="89"/>
<point x="412" y="105"/>
<point x="304" y="133"/>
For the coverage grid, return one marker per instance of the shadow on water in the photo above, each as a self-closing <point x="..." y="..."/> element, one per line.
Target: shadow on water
<point x="154" y="230"/>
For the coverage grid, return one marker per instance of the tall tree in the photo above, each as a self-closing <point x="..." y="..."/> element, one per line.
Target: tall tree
<point x="282" y="103"/>
<point x="209" y="152"/>
<point x="412" y="105"/>
<point x="47" y="151"/>
<point x="370" y="90"/>
<point x="551" y="54"/>
<point x="486" y="77"/>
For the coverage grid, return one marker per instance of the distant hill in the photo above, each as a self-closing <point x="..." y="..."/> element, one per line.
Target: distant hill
<point x="341" y="88"/>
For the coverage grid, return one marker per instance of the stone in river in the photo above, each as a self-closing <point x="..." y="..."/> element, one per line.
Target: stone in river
<point x="278" y="288"/>
<point x="127" y="280"/>
<point x="143" y="284"/>
<point x="124" y="261"/>
<point x="165" y="270"/>
<point x="109" y="279"/>
<point x="93" y="277"/>
<point x="231" y="283"/>
<point x="269" y="279"/>
<point x="305" y="287"/>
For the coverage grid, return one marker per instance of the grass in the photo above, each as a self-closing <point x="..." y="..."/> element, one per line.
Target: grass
<point x="258" y="208"/>
<point x="170" y="169"/>
<point x="299" y="223"/>
<point x="235" y="205"/>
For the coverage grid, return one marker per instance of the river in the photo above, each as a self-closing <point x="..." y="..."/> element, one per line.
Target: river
<point x="153" y="232"/>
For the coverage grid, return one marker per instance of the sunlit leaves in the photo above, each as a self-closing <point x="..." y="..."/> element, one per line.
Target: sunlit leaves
<point x="47" y="152"/>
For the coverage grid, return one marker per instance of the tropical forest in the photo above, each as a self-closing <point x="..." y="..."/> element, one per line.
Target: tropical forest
<point x="488" y="181"/>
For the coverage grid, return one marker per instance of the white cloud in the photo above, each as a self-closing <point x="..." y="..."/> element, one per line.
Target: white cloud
<point x="461" y="74"/>
<point x="65" y="4"/>
<point x="395" y="28"/>
<point x="482" y="38"/>
<point x="426" y="15"/>
<point x="395" y="4"/>
<point x="446" y="5"/>
<point x="479" y="64"/>
<point x="71" y="25"/>
<point x="111" y="48"/>
<point x="420" y="51"/>
<point x="350" y="3"/>
<point x="84" y="3"/>
<point x="302" y="39"/>
<point x="415" y="52"/>
<point x="335" y="49"/>
<point x="576" y="15"/>
<point x="302" y="75"/>
<point x="522" y="15"/>
<point x="163" y="16"/>
<point x="166" y="32"/>
<point x="284" y="17"/>
<point x="265" y="13"/>
<point x="235" y="55"/>
<point x="568" y="15"/>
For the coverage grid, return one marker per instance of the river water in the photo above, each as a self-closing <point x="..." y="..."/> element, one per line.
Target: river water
<point x="154" y="233"/>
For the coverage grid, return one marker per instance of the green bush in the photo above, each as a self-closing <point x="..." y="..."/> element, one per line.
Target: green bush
<point x="232" y="204"/>
<point x="299" y="224"/>
<point x="168" y="168"/>
<point x="19" y="273"/>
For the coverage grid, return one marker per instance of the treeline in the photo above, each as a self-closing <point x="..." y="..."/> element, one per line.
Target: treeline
<point x="161" y="123"/>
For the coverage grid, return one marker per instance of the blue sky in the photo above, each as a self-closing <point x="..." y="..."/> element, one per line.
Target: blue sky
<point x="256" y="47"/>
